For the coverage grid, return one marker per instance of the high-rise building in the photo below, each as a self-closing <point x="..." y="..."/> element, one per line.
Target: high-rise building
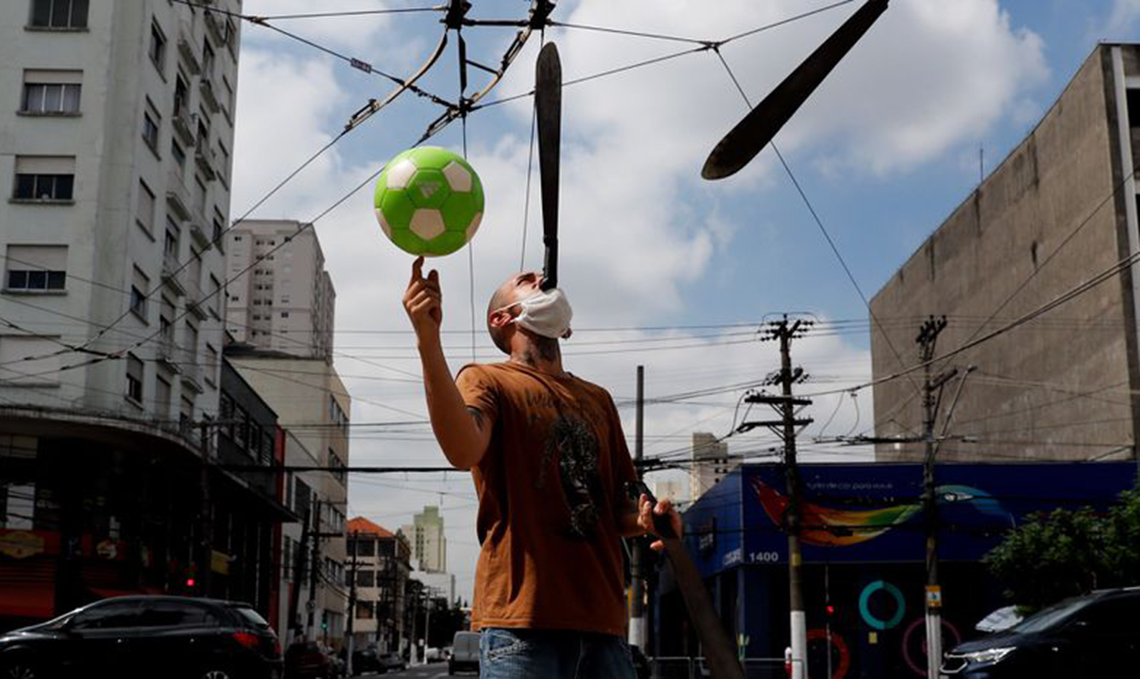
<point x="1033" y="269"/>
<point x="115" y="164"/>
<point x="429" y="546"/>
<point x="709" y="464"/>
<point x="285" y="299"/>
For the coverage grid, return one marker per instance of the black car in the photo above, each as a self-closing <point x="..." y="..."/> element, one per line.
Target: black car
<point x="1096" y="635"/>
<point x="146" y="636"/>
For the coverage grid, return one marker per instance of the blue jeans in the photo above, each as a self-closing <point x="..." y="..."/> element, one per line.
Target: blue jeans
<point x="552" y="654"/>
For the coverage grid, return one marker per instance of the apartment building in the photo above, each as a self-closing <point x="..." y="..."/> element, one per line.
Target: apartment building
<point x="115" y="175"/>
<point x="281" y="298"/>
<point x="429" y="546"/>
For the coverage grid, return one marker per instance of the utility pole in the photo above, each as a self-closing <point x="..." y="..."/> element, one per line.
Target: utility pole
<point x="637" y="626"/>
<point x="352" y="551"/>
<point x="298" y="578"/>
<point x="314" y="564"/>
<point x="926" y="339"/>
<point x="206" y="520"/>
<point x="427" y="621"/>
<point x="786" y="406"/>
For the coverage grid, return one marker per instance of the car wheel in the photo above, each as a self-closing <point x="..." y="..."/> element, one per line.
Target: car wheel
<point x="19" y="668"/>
<point x="216" y="673"/>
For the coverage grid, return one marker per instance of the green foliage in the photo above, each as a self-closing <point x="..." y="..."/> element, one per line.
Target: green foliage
<point x="1065" y="553"/>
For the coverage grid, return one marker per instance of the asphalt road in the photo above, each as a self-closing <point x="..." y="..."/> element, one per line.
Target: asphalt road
<point x="430" y="671"/>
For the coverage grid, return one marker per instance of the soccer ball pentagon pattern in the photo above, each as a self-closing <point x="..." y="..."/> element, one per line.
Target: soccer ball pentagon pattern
<point x="429" y="201"/>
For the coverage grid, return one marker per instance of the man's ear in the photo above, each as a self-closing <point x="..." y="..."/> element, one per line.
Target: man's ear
<point x="498" y="319"/>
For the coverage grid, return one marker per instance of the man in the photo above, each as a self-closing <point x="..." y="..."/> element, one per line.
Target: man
<point x="551" y="470"/>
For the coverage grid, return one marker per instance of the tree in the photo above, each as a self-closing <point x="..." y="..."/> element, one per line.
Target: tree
<point x="1064" y="553"/>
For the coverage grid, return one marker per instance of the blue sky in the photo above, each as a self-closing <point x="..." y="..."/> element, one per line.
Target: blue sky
<point x="885" y="150"/>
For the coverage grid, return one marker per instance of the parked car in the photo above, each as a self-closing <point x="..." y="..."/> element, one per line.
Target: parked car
<point x="392" y="661"/>
<point x="309" y="660"/>
<point x="464" y="653"/>
<point x="366" y="659"/>
<point x="1096" y="635"/>
<point x="146" y="636"/>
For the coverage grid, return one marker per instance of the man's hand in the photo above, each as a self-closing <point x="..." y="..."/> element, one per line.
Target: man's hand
<point x="423" y="302"/>
<point x="664" y="508"/>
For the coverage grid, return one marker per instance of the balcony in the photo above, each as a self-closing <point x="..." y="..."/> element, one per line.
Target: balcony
<point x="172" y="275"/>
<point x="206" y="158"/>
<point x="194" y="303"/>
<point x="189" y="56"/>
<point x="184" y="124"/>
<point x="209" y="97"/>
<point x="164" y="352"/>
<point x="198" y="233"/>
<point x="176" y="196"/>
<point x="191" y="371"/>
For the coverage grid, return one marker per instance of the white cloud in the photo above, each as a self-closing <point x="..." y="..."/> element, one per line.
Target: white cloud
<point x="1122" y="20"/>
<point x="926" y="77"/>
<point x="362" y="33"/>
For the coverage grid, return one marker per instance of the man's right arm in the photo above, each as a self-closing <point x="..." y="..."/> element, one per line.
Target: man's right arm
<point x="463" y="433"/>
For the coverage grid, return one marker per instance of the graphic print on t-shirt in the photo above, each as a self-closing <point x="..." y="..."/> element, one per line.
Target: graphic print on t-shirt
<point x="572" y="443"/>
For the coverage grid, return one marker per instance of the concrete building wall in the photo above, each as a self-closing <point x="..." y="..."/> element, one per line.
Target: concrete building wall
<point x="1047" y="219"/>
<point x="285" y="301"/>
<point x="710" y="464"/>
<point x="105" y="240"/>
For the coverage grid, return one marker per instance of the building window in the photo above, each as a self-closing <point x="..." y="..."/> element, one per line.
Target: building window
<point x="157" y="49"/>
<point x="170" y="244"/>
<point x="144" y="215"/>
<point x="162" y="391"/>
<point x="36" y="268"/>
<point x="51" y="92"/>
<point x="59" y="13"/>
<point x="199" y="194"/>
<point x="151" y="120"/>
<point x="207" y="59"/>
<point x="284" y="314"/>
<point x="178" y="153"/>
<point x="181" y="96"/>
<point x="140" y="285"/>
<point x="134" y="379"/>
<point x="365" y="578"/>
<point x="45" y="178"/>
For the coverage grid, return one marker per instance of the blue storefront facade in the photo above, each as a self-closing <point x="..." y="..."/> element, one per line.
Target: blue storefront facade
<point x="863" y="555"/>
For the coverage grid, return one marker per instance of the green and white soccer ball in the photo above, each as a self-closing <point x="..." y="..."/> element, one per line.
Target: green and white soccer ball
<point x="429" y="201"/>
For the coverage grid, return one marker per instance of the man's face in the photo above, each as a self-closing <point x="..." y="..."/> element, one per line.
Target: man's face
<point x="517" y="288"/>
<point x="504" y="304"/>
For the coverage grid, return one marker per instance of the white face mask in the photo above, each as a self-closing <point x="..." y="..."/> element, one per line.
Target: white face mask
<point x="545" y="313"/>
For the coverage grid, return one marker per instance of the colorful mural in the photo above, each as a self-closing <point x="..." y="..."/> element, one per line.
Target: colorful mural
<point x="825" y="526"/>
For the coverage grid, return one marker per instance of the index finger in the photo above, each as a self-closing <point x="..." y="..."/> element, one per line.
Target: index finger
<point x="417" y="269"/>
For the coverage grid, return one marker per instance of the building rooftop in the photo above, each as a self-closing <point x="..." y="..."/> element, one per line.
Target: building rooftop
<point x="360" y="524"/>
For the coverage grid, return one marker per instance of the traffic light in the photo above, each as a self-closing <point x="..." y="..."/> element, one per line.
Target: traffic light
<point x="830" y="611"/>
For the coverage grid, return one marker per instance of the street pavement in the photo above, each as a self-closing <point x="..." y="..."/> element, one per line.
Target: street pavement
<point x="433" y="670"/>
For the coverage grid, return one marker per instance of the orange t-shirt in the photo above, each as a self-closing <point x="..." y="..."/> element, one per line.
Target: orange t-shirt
<point x="551" y="486"/>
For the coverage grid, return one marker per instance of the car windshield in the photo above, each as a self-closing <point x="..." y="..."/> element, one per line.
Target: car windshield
<point x="1048" y="617"/>
<point x="251" y="616"/>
